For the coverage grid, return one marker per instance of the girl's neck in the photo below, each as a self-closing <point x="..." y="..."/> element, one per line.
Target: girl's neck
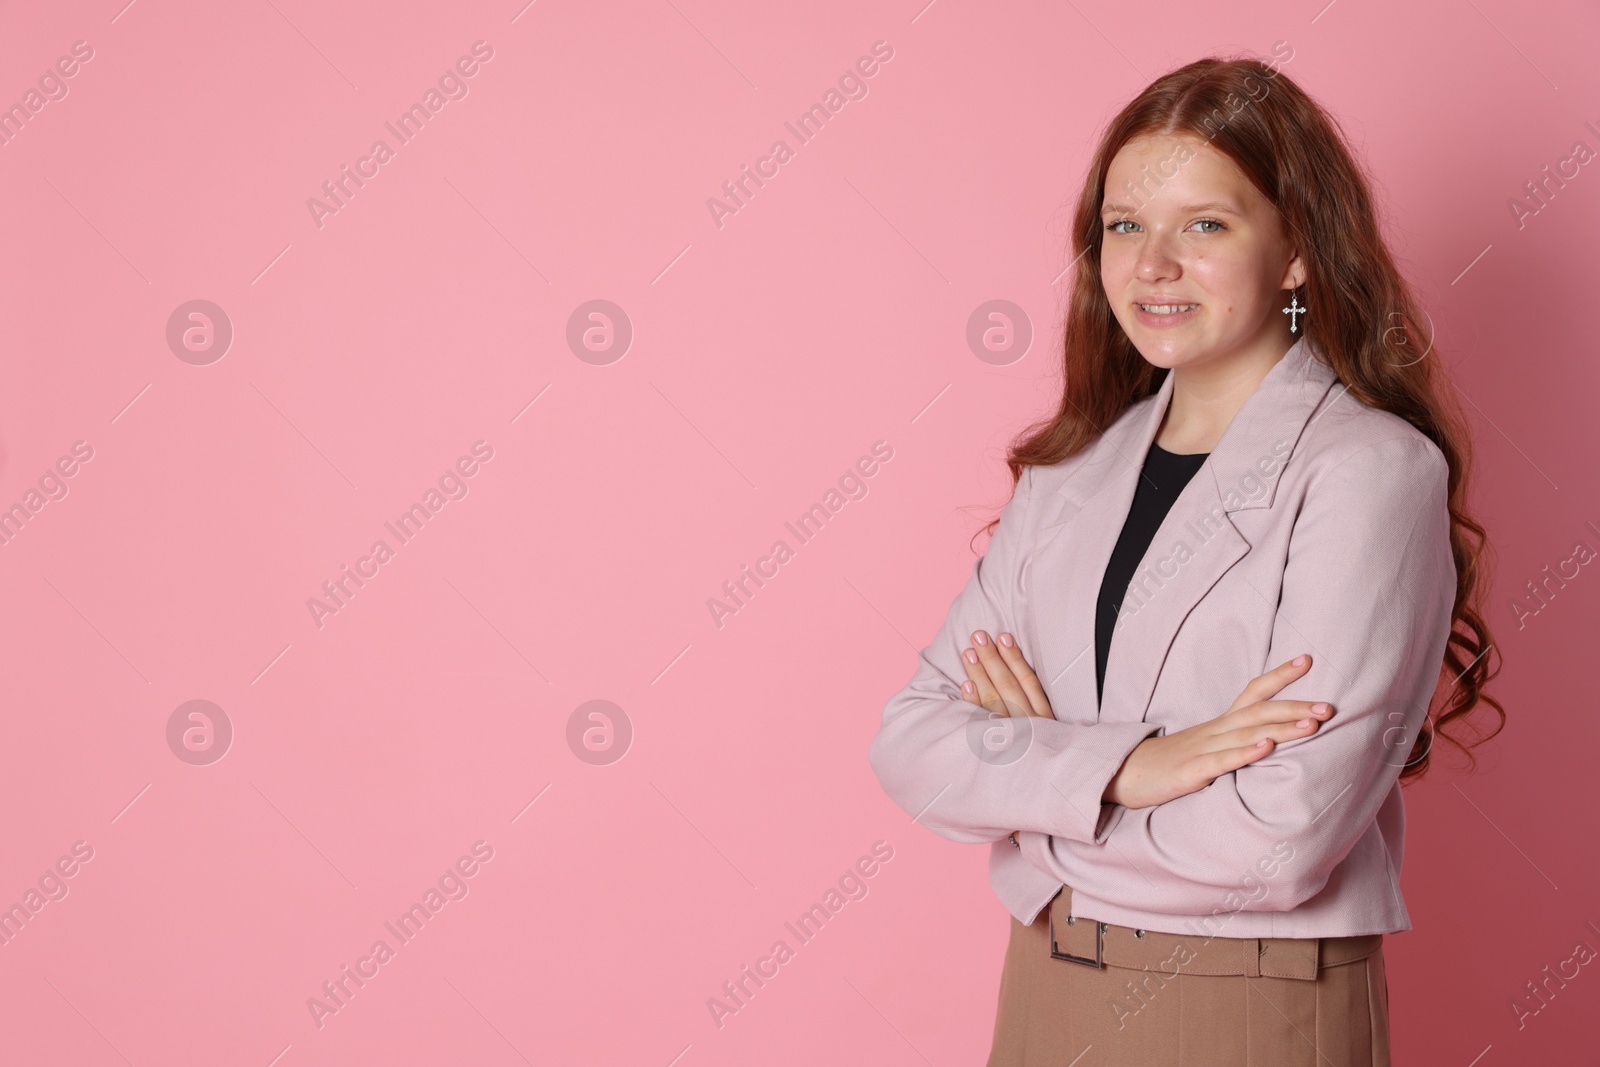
<point x="1205" y="398"/>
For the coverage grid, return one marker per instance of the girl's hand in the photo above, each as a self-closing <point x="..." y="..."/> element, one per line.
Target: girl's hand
<point x="1001" y="680"/>
<point x="1165" y="768"/>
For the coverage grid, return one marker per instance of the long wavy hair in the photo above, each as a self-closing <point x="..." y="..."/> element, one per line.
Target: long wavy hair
<point x="1292" y="151"/>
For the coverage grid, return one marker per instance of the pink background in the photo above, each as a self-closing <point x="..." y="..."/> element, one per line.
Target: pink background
<point x="767" y="356"/>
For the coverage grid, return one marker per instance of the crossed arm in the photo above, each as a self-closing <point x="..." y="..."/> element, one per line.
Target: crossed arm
<point x="934" y="753"/>
<point x="1368" y="590"/>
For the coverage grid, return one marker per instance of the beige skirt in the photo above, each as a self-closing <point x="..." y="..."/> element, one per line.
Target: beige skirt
<point x="1165" y="1000"/>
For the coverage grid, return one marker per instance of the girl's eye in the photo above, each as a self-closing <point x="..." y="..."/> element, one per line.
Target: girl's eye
<point x="1112" y="226"/>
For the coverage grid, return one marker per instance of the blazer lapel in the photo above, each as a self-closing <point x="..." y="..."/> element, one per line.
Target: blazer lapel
<point x="1078" y="528"/>
<point x="1196" y="544"/>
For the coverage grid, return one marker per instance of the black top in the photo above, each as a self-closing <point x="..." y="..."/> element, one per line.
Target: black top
<point x="1163" y="478"/>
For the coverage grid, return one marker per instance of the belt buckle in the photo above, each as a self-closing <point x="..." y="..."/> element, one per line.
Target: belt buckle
<point x="1057" y="954"/>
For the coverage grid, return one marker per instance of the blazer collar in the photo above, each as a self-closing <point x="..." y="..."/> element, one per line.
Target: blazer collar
<point x="1195" y="545"/>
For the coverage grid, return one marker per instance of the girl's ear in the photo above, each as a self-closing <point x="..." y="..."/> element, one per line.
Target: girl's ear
<point x="1295" y="272"/>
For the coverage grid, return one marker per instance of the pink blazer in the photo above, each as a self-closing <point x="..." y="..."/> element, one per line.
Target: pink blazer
<point x="1318" y="525"/>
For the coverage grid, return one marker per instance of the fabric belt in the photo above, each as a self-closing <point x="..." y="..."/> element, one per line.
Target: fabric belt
<point x="1101" y="944"/>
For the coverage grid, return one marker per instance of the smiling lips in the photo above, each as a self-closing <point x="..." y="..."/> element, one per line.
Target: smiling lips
<point x="1164" y="312"/>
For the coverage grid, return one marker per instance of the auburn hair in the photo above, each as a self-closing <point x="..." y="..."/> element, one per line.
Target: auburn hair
<point x="1366" y="323"/>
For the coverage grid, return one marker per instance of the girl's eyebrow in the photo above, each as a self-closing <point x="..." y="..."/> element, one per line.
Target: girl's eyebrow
<point x="1124" y="209"/>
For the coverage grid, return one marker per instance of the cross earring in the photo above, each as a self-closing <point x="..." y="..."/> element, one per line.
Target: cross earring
<point x="1294" y="310"/>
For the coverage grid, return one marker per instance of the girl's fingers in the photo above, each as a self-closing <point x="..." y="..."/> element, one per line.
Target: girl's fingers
<point x="1275" y="730"/>
<point x="1268" y="685"/>
<point x="1247" y="754"/>
<point x="980" y="688"/>
<point x="1009" y="689"/>
<point x="1011" y="652"/>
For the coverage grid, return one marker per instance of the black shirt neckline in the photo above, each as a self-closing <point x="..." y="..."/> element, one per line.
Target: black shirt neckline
<point x="1177" y="455"/>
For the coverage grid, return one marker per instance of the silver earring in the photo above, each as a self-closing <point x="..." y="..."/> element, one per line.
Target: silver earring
<point x="1294" y="310"/>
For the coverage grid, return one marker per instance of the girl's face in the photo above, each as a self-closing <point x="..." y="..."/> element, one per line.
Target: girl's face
<point x="1186" y="230"/>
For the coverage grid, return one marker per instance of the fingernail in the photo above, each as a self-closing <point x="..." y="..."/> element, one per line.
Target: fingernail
<point x="971" y="656"/>
<point x="968" y="688"/>
<point x="981" y="638"/>
<point x="1321" y="709"/>
<point x="1008" y="640"/>
<point x="1261" y="743"/>
<point x="1299" y="661"/>
<point x="1303" y="723"/>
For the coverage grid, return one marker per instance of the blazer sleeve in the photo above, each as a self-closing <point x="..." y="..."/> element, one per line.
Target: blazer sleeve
<point x="1369" y="590"/>
<point x="975" y="778"/>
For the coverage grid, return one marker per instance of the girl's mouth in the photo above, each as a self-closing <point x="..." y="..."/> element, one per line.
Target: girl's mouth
<point x="1160" y="315"/>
